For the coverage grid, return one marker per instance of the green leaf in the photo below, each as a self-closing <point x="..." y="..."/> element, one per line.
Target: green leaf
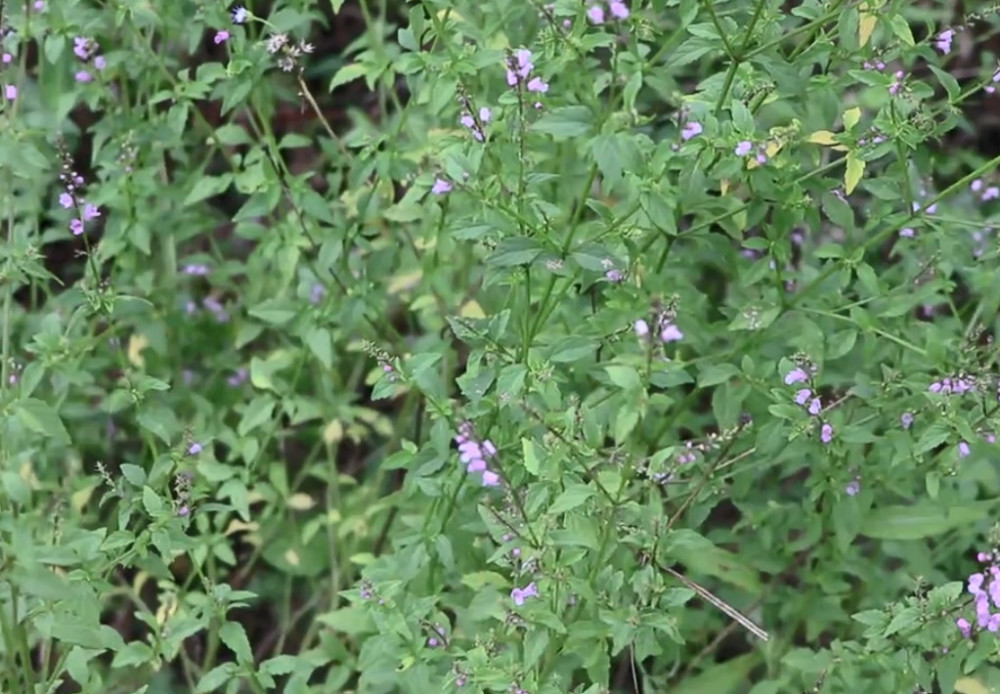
<point x="921" y="520"/>
<point x="258" y="412"/>
<point x="531" y="462"/>
<point x="158" y="420"/>
<point x="135" y="475"/>
<point x="722" y="678"/>
<point x="215" y="678"/>
<point x="151" y="501"/>
<point x="233" y="635"/>
<point x="348" y="73"/>
<point x="565" y="122"/>
<point x="275" y="311"/>
<point x="515" y="251"/>
<point x="901" y="29"/>
<point x="574" y="496"/>
<point x="625" y="377"/>
<point x="615" y="154"/>
<point x="207" y="187"/>
<point x="41" y="418"/>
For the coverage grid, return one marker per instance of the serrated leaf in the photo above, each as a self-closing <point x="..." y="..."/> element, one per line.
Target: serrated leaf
<point x="39" y="417"/>
<point x="235" y="638"/>
<point x="574" y="496"/>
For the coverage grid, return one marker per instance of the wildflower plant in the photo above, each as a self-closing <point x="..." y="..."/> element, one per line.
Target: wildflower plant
<point x="508" y="347"/>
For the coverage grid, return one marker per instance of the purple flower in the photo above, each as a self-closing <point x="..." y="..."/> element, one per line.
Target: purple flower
<point x="963" y="449"/>
<point x="441" y="187"/>
<point x="39" y="5"/>
<point x="221" y="36"/>
<point x="90" y="212"/>
<point x="906" y="420"/>
<point x="537" y="85"/>
<point x="83" y="77"/>
<point x="596" y="14"/>
<point x="81" y="47"/>
<point x="796" y="375"/>
<point x="6" y="58"/>
<point x="10" y="92"/>
<point x="964" y="626"/>
<point x="485" y="114"/>
<point x="76" y="226"/>
<point x="853" y="487"/>
<point x="491" y="479"/>
<point x="519" y="66"/>
<point x="826" y="433"/>
<point x="194" y="448"/>
<point x="943" y="41"/>
<point x="743" y="148"/>
<point x="183" y="511"/>
<point x="671" y="333"/>
<point x="802" y="396"/>
<point x="432" y="642"/>
<point x="641" y="328"/>
<point x="317" y="293"/>
<point x="66" y="201"/>
<point x="815" y="406"/>
<point x="907" y="233"/>
<point x="100" y="63"/>
<point x="991" y="193"/>
<point x="690" y="130"/>
<point x="239" y="377"/>
<point x="239" y="14"/>
<point x="518" y="595"/>
<point x="618" y="9"/>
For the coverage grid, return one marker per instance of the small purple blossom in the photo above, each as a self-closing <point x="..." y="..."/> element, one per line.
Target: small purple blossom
<point x="943" y="41"/>
<point x="897" y="85"/>
<point x="81" y="47"/>
<point x="83" y="77"/>
<point x="907" y="233"/>
<point x="619" y="10"/>
<point x="238" y="378"/>
<point x="815" y="406"/>
<point x="853" y="487"/>
<point x="519" y="595"/>
<point x="906" y="420"/>
<point x="691" y="129"/>
<point x="671" y="333"/>
<point x="963" y="449"/>
<point x="641" y="328"/>
<point x="66" y="200"/>
<point x="39" y="5"/>
<point x="491" y="479"/>
<point x="485" y="114"/>
<point x="519" y="66"/>
<point x="743" y="148"/>
<point x="76" y="226"/>
<point x="6" y="58"/>
<point x="596" y="14"/>
<point x="317" y="293"/>
<point x="194" y="449"/>
<point x="196" y="270"/>
<point x="240" y="14"/>
<point x="614" y="275"/>
<point x="964" y="627"/>
<point x="441" y="187"/>
<point x="802" y="396"/>
<point x="826" y="433"/>
<point x="221" y="36"/>
<point x="537" y="85"/>
<point x="100" y="63"/>
<point x="10" y="92"/>
<point x="90" y="212"/>
<point x="796" y="375"/>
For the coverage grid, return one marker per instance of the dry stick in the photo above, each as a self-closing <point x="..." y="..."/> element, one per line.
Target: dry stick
<point x="719" y="603"/>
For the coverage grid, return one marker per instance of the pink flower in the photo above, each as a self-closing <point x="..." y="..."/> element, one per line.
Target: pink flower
<point x="441" y="187"/>
<point x="596" y="14"/>
<point x="964" y="626"/>
<point x="490" y="479"/>
<point x="963" y="449"/>
<point x="826" y="433"/>
<point x="83" y="76"/>
<point x="10" y="92"/>
<point x="618" y="9"/>
<point x="518" y="595"/>
<point x="943" y="41"/>
<point x="743" y="148"/>
<point x="796" y="375"/>
<point x="537" y="85"/>
<point x="671" y="333"/>
<point x="802" y="396"/>
<point x="6" y="58"/>
<point x="691" y="130"/>
<point x="221" y="36"/>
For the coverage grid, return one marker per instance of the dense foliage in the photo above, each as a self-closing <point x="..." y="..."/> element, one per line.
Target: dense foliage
<point x="498" y="346"/>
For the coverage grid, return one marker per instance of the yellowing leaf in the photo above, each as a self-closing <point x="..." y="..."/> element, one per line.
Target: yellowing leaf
<point x="301" y="502"/>
<point x="236" y="525"/>
<point x="967" y="685"/>
<point x="724" y="186"/>
<point x="407" y="280"/>
<point x="27" y="473"/>
<point x="855" y="170"/>
<point x="822" y="137"/>
<point x="866" y="26"/>
<point x="333" y="432"/>
<point x="166" y="610"/>
<point x="851" y="117"/>
<point x="81" y="497"/>
<point x="471" y="309"/>
<point x="136" y="344"/>
<point x="292" y="557"/>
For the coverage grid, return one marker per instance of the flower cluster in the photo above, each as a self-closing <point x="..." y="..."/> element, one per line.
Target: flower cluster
<point x="474" y="453"/>
<point x="618" y="10"/>
<point x="71" y="198"/>
<point x="986" y="193"/>
<point x="984" y="586"/>
<point x="290" y="52"/>
<point x="898" y="83"/>
<point x="86" y="50"/>
<point x="9" y="90"/>
<point x="665" y="328"/>
<point x="519" y="67"/>
<point x="877" y="65"/>
<point x="744" y="148"/>
<point x="958" y="385"/>
<point x="808" y="398"/>
<point x="475" y="125"/>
